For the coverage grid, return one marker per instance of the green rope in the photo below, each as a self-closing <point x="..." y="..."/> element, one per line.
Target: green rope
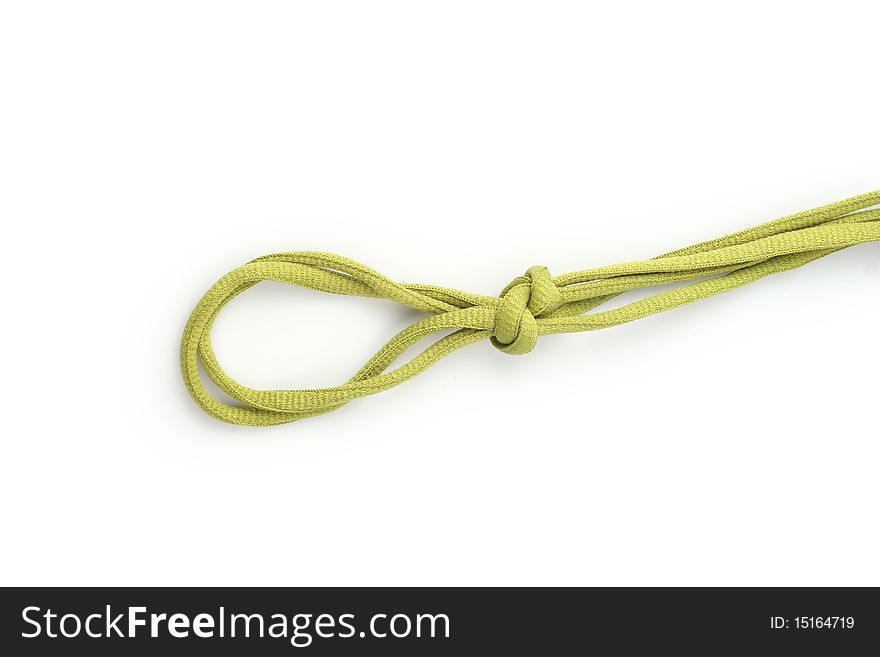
<point x="532" y="305"/>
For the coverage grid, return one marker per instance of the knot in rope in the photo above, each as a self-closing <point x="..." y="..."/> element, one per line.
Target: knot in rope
<point x="524" y="299"/>
<point x="531" y="305"/>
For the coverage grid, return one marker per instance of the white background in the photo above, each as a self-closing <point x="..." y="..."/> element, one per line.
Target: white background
<point x="146" y="148"/>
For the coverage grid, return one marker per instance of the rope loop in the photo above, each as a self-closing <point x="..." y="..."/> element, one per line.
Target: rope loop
<point x="531" y="305"/>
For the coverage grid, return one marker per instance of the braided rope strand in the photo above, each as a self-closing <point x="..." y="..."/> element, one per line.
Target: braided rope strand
<point x="531" y="305"/>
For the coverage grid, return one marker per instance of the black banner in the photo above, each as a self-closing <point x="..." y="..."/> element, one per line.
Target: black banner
<point x="431" y="621"/>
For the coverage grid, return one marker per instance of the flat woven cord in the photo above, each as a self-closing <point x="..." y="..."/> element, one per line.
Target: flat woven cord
<point x="531" y="305"/>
